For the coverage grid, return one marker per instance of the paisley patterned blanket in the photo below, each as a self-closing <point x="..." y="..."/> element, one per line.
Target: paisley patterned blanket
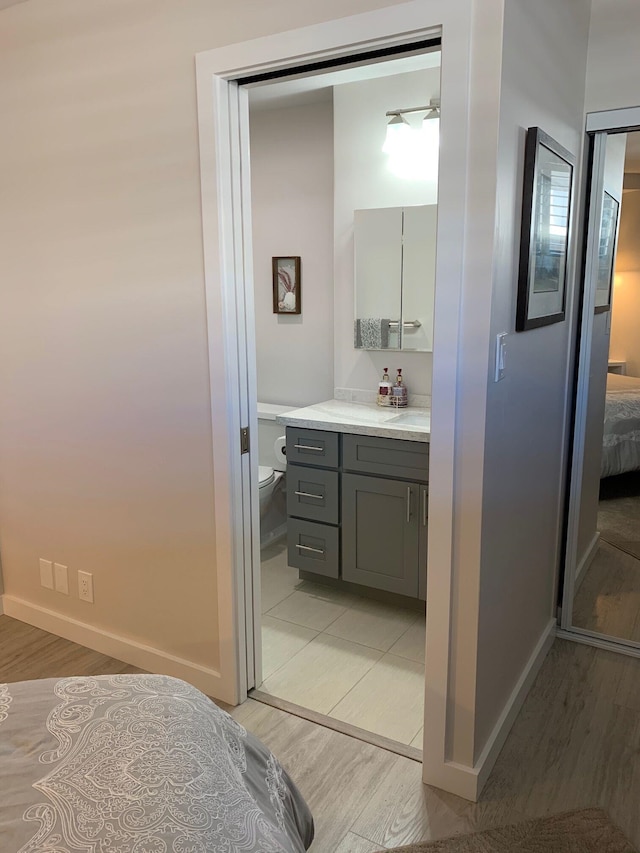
<point x="137" y="764"/>
<point x="621" y="439"/>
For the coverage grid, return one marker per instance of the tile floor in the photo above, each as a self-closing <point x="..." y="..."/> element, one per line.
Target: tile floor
<point x="351" y="658"/>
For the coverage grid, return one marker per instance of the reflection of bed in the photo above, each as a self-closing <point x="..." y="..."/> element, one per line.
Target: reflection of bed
<point x="621" y="439"/>
<point x="135" y="764"/>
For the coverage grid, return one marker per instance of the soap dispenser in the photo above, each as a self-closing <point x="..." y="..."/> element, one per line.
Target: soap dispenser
<point x="399" y="395"/>
<point x="384" y="389"/>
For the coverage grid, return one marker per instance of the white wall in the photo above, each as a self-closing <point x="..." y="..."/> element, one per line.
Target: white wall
<point x="106" y="460"/>
<point x="363" y="180"/>
<point x="292" y="211"/>
<point x="613" y="70"/>
<point x="625" y="316"/>
<point x="542" y="83"/>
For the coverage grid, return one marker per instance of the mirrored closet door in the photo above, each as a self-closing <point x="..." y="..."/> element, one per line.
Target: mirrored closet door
<point x="601" y="594"/>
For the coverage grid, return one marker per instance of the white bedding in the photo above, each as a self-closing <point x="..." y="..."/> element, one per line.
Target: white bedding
<point x="621" y="438"/>
<point x="138" y="764"/>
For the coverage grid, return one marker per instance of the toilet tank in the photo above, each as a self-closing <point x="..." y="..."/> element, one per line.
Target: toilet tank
<point x="268" y="433"/>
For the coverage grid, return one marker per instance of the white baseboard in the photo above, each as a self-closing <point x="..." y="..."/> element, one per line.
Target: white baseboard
<point x="124" y="649"/>
<point x="585" y="562"/>
<point x="468" y="782"/>
<point x="1" y="605"/>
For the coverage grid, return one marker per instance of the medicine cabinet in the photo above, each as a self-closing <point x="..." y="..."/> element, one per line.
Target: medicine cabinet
<point x="395" y="260"/>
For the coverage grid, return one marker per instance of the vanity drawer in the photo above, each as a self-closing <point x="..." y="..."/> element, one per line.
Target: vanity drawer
<point x="387" y="457"/>
<point x="313" y="493"/>
<point x="314" y="547"/>
<point x="313" y="447"/>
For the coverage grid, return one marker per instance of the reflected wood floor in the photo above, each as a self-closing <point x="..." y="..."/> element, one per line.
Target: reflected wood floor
<point x="608" y="598"/>
<point x="575" y="744"/>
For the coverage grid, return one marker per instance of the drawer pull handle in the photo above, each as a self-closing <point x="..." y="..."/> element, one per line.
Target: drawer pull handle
<point x="424" y="507"/>
<point x="408" y="504"/>
<point x="309" y="495"/>
<point x="309" y="548"/>
<point x="308" y="447"/>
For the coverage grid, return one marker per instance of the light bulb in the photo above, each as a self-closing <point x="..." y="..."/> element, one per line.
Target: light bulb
<point x="413" y="153"/>
<point x="397" y="131"/>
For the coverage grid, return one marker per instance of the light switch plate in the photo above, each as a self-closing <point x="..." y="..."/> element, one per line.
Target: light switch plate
<point x="500" y="356"/>
<point x="61" y="577"/>
<point x="46" y="573"/>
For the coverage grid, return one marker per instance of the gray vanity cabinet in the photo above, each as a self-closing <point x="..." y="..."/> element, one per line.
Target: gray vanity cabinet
<point x="357" y="508"/>
<point x="384" y="513"/>
<point x="381" y="533"/>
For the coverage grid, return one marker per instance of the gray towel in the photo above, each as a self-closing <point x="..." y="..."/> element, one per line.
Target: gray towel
<point x="371" y="333"/>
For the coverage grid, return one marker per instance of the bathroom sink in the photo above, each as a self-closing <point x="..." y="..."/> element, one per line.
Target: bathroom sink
<point x="418" y="419"/>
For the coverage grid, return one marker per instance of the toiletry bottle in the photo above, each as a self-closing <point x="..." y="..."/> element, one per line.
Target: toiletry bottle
<point x="384" y="390"/>
<point x="399" y="396"/>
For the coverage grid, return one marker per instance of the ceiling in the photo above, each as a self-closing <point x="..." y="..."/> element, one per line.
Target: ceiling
<point x="4" y="4"/>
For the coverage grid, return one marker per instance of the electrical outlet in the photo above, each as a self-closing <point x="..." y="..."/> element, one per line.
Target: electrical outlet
<point x="46" y="573"/>
<point x="85" y="586"/>
<point x="61" y="576"/>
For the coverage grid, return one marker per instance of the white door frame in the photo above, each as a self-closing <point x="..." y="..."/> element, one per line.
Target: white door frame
<point x="223" y="128"/>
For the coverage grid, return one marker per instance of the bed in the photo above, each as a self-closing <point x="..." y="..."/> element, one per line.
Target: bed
<point x="137" y="764"/>
<point x="621" y="438"/>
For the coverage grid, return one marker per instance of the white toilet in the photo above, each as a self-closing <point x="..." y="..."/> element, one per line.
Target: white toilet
<point x="271" y="474"/>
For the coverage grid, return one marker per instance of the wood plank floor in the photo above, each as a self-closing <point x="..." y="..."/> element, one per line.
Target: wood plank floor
<point x="575" y="743"/>
<point x="608" y="599"/>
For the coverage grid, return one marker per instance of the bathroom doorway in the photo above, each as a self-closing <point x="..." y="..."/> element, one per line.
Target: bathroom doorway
<point x="334" y="648"/>
<point x="224" y="160"/>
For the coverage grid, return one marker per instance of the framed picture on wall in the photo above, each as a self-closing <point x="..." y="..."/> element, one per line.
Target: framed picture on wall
<point x="286" y="285"/>
<point x="544" y="238"/>
<point x="606" y="252"/>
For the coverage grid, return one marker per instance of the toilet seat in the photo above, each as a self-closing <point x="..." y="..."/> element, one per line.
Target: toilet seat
<point x="266" y="476"/>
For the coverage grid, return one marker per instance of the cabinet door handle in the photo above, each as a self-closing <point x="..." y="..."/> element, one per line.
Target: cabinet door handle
<point x="308" y="447"/>
<point x="309" y="495"/>
<point x="408" y="504"/>
<point x="424" y="507"/>
<point x="309" y="548"/>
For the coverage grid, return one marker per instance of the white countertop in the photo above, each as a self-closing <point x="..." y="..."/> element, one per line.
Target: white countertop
<point x="362" y="419"/>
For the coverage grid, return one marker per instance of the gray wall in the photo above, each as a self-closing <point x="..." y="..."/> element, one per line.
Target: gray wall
<point x="543" y="74"/>
<point x="292" y="213"/>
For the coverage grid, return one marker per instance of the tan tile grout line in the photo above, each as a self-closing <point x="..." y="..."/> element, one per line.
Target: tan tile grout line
<point x="351" y="689"/>
<point x="317" y="634"/>
<point x="338" y="637"/>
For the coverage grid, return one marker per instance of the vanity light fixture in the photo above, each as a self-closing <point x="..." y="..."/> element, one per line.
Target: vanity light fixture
<point x="412" y="143"/>
<point x="397" y="128"/>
